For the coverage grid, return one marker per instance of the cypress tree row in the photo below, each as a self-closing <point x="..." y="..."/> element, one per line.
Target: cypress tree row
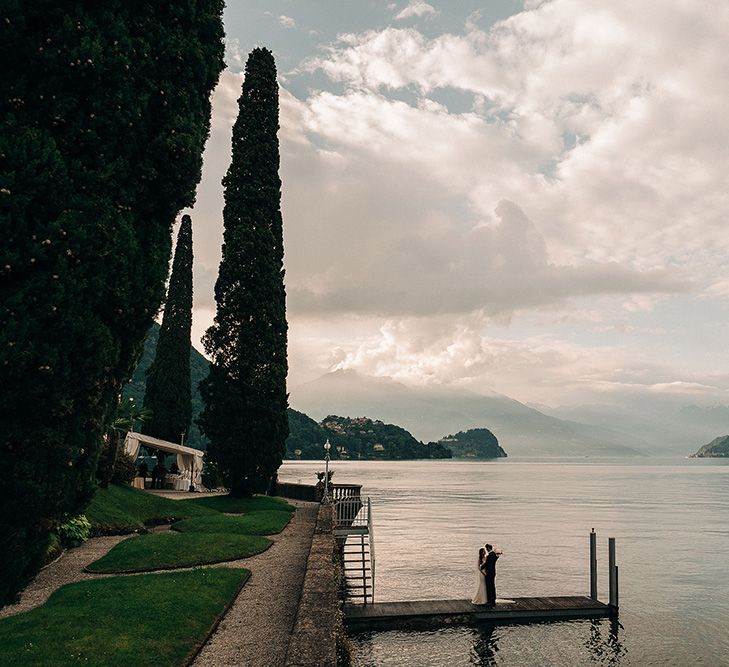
<point x="245" y="394"/>
<point x="104" y="109"/>
<point x="168" y="394"/>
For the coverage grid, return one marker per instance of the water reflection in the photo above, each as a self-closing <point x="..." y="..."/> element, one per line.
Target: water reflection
<point x="604" y="642"/>
<point x="485" y="646"/>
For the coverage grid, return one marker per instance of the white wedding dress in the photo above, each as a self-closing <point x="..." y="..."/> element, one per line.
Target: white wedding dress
<point x="480" y="597"/>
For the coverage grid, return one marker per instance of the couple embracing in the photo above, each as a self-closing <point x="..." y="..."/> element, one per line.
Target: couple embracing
<point x="486" y="594"/>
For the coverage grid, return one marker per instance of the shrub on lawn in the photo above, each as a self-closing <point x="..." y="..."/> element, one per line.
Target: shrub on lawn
<point x="75" y="531"/>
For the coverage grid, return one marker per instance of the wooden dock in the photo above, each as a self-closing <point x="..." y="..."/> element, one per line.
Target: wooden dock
<point x="420" y="614"/>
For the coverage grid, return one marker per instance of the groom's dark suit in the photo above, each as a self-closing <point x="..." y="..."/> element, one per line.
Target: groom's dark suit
<point x="489" y="570"/>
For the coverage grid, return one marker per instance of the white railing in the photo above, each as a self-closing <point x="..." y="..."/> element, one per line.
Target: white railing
<point x="347" y="512"/>
<point x="371" y="534"/>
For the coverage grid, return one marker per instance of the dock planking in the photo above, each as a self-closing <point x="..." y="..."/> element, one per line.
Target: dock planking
<point x="419" y="614"/>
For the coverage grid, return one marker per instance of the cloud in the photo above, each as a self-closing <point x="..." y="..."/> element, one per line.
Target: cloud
<point x="626" y="131"/>
<point x="395" y="229"/>
<point x="456" y="352"/>
<point x="494" y="269"/>
<point x="561" y="171"/>
<point x="287" y="21"/>
<point x="416" y="8"/>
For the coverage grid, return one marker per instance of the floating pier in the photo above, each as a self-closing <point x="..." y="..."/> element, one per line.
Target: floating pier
<point x="426" y="614"/>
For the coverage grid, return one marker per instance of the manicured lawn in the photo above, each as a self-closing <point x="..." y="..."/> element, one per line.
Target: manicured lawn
<point x="158" y="551"/>
<point x="122" y="509"/>
<point x="241" y="505"/>
<point x="255" y="523"/>
<point x="151" y="619"/>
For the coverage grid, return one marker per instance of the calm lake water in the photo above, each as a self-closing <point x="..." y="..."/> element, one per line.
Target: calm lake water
<point x="670" y="518"/>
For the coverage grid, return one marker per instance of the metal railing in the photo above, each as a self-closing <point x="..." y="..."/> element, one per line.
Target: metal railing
<point x="353" y="524"/>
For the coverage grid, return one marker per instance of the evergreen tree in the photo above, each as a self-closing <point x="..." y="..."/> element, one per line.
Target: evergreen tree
<point x="245" y="394"/>
<point x="104" y="108"/>
<point x="168" y="396"/>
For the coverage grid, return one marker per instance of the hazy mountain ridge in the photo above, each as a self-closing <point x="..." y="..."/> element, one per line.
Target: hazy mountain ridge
<point x="664" y="425"/>
<point x="429" y="412"/>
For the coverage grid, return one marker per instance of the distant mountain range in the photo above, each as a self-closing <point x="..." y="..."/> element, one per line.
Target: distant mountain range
<point x="663" y="424"/>
<point x="429" y="412"/>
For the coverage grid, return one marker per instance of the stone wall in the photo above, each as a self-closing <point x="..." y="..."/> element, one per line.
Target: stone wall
<point x="313" y="643"/>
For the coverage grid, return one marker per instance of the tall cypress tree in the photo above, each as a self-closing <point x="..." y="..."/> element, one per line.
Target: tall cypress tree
<point x="245" y="394"/>
<point x="104" y="110"/>
<point x="168" y="395"/>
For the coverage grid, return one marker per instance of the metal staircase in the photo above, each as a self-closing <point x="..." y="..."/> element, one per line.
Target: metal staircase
<point x="354" y="534"/>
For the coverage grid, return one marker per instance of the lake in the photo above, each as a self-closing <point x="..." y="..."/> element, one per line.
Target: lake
<point x="670" y="518"/>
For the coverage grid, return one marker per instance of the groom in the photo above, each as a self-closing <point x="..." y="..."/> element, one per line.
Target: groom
<point x="489" y="570"/>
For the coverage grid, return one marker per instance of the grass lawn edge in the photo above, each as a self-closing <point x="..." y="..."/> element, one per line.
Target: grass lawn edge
<point x="196" y="650"/>
<point x="167" y="568"/>
<point x="289" y="517"/>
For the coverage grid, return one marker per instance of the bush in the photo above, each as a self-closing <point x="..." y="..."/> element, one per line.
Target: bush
<point x="124" y="469"/>
<point x="54" y="550"/>
<point x="74" y="532"/>
<point x="212" y="478"/>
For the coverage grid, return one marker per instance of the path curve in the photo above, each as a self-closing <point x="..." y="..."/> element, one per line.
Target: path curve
<point x="258" y="626"/>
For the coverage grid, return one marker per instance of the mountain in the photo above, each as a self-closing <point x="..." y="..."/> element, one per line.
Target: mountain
<point x="198" y="370"/>
<point x="429" y="412"/>
<point x="476" y="443"/>
<point x="717" y="448"/>
<point x="664" y="424"/>
<point x="305" y="437"/>
<point x="355" y="438"/>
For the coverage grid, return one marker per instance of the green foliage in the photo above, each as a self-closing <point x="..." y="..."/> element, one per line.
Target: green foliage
<point x="199" y="369"/>
<point x="105" y="111"/>
<point x="129" y="415"/>
<point x="151" y="619"/>
<point x="163" y="551"/>
<point x="363" y="438"/>
<point x="267" y="522"/>
<point x="717" y="448"/>
<point x="235" y="505"/>
<point x="75" y="531"/>
<point x="477" y="443"/>
<point x="122" y="509"/>
<point x="212" y="478"/>
<point x="124" y="469"/>
<point x="305" y="436"/>
<point x="245" y="393"/>
<point x="168" y="393"/>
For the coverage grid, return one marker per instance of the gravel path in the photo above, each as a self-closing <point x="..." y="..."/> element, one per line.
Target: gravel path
<point x="66" y="570"/>
<point x="256" y="630"/>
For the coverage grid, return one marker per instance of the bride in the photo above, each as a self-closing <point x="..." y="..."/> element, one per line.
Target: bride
<point x="480" y="597"/>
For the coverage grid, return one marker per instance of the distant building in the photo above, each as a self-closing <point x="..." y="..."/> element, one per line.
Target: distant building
<point x="377" y="447"/>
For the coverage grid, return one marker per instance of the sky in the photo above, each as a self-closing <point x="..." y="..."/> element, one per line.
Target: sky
<point x="522" y="197"/>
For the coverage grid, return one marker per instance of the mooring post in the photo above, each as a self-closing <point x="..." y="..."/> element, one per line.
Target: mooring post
<point x="612" y="573"/>
<point x="593" y="565"/>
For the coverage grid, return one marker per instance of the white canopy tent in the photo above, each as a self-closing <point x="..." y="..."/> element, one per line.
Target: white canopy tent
<point x="189" y="460"/>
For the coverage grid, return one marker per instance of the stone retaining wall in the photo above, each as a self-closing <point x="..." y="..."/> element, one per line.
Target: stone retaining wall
<point x="313" y="642"/>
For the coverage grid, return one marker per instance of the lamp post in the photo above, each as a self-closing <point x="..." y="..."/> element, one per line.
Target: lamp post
<point x="327" y="447"/>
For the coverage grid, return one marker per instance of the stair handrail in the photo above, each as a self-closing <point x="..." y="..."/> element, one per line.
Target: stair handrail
<point x="371" y="534"/>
